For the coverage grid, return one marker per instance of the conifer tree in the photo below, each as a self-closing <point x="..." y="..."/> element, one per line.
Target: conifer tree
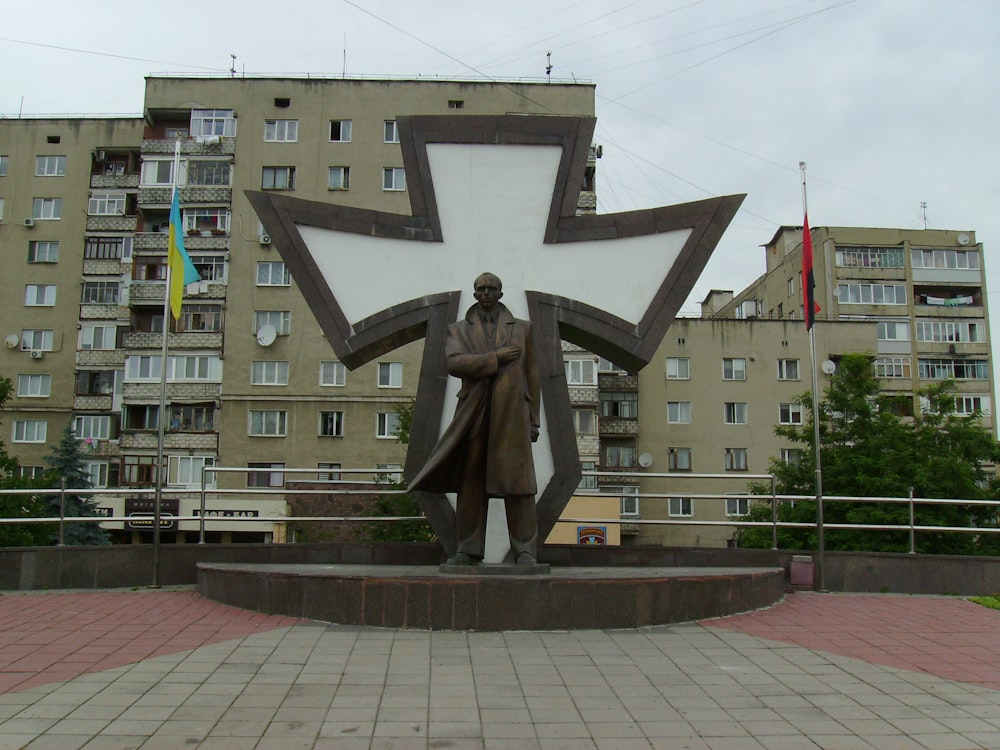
<point x="68" y="463"/>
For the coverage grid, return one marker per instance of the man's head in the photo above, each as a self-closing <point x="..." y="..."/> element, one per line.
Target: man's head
<point x="488" y="290"/>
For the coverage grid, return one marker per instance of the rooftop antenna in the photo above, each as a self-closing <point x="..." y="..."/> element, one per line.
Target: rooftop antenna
<point x="343" y="70"/>
<point x="232" y="69"/>
<point x="923" y="212"/>
<point x="548" y="65"/>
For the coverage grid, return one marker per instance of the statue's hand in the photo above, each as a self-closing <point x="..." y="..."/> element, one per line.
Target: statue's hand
<point x="507" y="354"/>
<point x="534" y="434"/>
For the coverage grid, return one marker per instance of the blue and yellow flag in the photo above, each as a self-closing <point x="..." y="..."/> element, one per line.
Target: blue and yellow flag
<point x="182" y="270"/>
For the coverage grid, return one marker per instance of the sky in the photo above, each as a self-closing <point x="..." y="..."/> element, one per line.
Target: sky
<point x="891" y="103"/>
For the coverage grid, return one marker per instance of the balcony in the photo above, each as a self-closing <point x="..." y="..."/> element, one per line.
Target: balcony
<point x="618" y="426"/>
<point x="182" y="340"/>
<point x="101" y="402"/>
<point x="100" y="358"/>
<point x="190" y="146"/>
<point x="149" y="392"/>
<point x="102" y="312"/>
<point x="102" y="267"/>
<point x="146" y="439"/>
<point x="105" y="181"/>
<point x="111" y="223"/>
<point x="161" y="196"/>
<point x="100" y="448"/>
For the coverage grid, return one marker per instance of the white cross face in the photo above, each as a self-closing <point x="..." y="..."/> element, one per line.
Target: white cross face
<point x="505" y="204"/>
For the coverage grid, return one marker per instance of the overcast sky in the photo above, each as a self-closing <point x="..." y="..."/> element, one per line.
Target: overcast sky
<point x="890" y="102"/>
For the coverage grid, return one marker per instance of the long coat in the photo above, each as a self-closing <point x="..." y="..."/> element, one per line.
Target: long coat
<point x="506" y="395"/>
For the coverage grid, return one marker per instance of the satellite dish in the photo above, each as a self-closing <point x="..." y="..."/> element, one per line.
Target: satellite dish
<point x="828" y="366"/>
<point x="963" y="239"/>
<point x="12" y="340"/>
<point x="645" y="460"/>
<point x="266" y="335"/>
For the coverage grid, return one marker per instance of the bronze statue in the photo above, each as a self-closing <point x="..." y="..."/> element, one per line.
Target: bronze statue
<point x="486" y="450"/>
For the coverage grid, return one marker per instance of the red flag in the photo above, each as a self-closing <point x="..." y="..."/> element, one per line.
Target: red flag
<point x="809" y="306"/>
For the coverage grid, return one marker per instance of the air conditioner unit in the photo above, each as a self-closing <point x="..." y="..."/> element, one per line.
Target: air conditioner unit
<point x="29" y="222"/>
<point x="101" y="155"/>
<point x="37" y="354"/>
<point x="264" y="239"/>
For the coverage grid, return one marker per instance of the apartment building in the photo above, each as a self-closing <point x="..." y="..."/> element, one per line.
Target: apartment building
<point x="252" y="384"/>
<point x="915" y="299"/>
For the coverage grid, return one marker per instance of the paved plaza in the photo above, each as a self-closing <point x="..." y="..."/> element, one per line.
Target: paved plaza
<point x="168" y="669"/>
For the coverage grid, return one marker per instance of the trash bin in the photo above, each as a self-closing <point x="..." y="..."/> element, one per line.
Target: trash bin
<point x="801" y="573"/>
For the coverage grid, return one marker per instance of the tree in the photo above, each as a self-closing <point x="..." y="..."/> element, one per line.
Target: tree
<point x="867" y="450"/>
<point x="18" y="506"/>
<point x="399" y="505"/>
<point x="69" y="464"/>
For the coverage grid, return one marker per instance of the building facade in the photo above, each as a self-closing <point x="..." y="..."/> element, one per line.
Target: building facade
<point x="252" y="385"/>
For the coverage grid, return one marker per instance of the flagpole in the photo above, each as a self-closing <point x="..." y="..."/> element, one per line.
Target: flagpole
<point x="807" y="299"/>
<point x="162" y="415"/>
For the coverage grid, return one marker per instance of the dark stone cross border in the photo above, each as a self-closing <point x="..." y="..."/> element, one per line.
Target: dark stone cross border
<point x="630" y="344"/>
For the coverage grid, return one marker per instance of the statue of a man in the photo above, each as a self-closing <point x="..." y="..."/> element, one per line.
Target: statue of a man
<point x="486" y="450"/>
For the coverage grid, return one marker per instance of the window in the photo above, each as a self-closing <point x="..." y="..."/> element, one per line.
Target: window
<point x="206" y="318"/>
<point x="734" y="368"/>
<point x="30" y="430"/>
<point x="268" y="373"/>
<point x="92" y="427"/>
<point x="456" y="104"/>
<point x="958" y="369"/>
<point x="100" y="293"/>
<point x="187" y="470"/>
<point x="141" y="417"/>
<point x="34" y="386"/>
<point x="678" y="459"/>
<point x="393" y="178"/>
<point x="788" y="369"/>
<point x="268" y="423"/>
<point x="332" y="373"/>
<point x="619" y="404"/>
<point x="46" y="209"/>
<point x="588" y="482"/>
<point x="871" y="294"/>
<point x="870" y="257"/>
<point x="968" y="405"/>
<point x="36" y="339"/>
<point x="31" y="472"/>
<point x="736" y="412"/>
<point x="892" y="367"/>
<point x="157" y="172"/>
<point x="191" y="418"/>
<point x="390" y="374"/>
<point x="273" y="476"/>
<point x="209" y="172"/>
<point x="331" y="424"/>
<point x="340" y="178"/>
<point x="678" y="412"/>
<point x="585" y="421"/>
<point x="194" y="367"/>
<point x="44" y="251"/>
<point x="892" y="330"/>
<point x="95" y="382"/>
<point x="629" y="501"/>
<point x="581" y="371"/>
<point x="108" y="248"/>
<point x="680" y="507"/>
<point x="142" y="367"/>
<point x="791" y="287"/>
<point x="678" y="368"/>
<point x="388" y="425"/>
<point x="738" y="505"/>
<point x="281" y="130"/>
<point x="39" y="295"/>
<point x="213" y="122"/>
<point x="272" y="273"/>
<point x="945" y="259"/>
<point x="139" y="470"/>
<point x="606" y="365"/>
<point x="97" y="473"/>
<point x="951" y="331"/>
<point x="280" y="319"/>
<point x="97" y="337"/>
<point x="619" y="456"/>
<point x="790" y="413"/>
<point x="736" y="459"/>
<point x="106" y="204"/>
<point x="210" y="267"/>
<point x="387" y="473"/>
<point x="328" y="472"/>
<point x="340" y="131"/>
<point x="50" y="166"/>
<point x="206" y="220"/>
<point x="3" y="165"/>
<point x="791" y="456"/>
<point x="391" y="132"/>
<point x="278" y="178"/>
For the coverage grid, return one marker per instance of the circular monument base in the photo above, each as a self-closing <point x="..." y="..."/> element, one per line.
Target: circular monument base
<point x="495" y="569"/>
<point x="423" y="597"/>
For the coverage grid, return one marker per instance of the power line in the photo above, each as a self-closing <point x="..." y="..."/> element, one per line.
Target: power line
<point x="107" y="54"/>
